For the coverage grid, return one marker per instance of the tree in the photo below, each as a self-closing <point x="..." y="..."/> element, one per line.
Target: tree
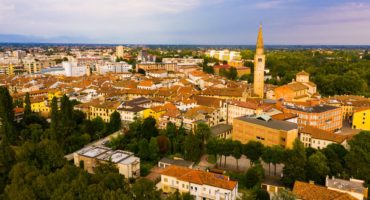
<point x="203" y="132"/>
<point x="54" y="119"/>
<point x="6" y="115"/>
<point x="114" y="122"/>
<point x="7" y="160"/>
<point x="277" y="156"/>
<point x="335" y="154"/>
<point x="317" y="168"/>
<point x="145" y="189"/>
<point x="192" y="147"/>
<point x="171" y="134"/>
<point x="254" y="176"/>
<point x="253" y="151"/>
<point x="294" y="164"/>
<point x="143" y="149"/>
<point x="149" y="128"/>
<point x="358" y="157"/>
<point x="227" y="149"/>
<point x="237" y="152"/>
<point x="163" y="144"/>
<point x="267" y="157"/>
<point x="27" y="107"/>
<point x="284" y="194"/>
<point x="153" y="149"/>
<point x="262" y="194"/>
<point x="232" y="74"/>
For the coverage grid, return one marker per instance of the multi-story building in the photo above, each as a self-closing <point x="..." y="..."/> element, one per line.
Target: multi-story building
<point x="90" y="157"/>
<point x="348" y="103"/>
<point x="113" y="67"/>
<point x="235" y="108"/>
<point x="102" y="109"/>
<point x="72" y="69"/>
<point x="319" y="139"/>
<point x="33" y="65"/>
<point x="224" y="55"/>
<point x="314" y="114"/>
<point x="200" y="184"/>
<point x="183" y="61"/>
<point x="264" y="129"/>
<point x="353" y="187"/>
<point x="156" y="66"/>
<point x="361" y="119"/>
<point x="241" y="70"/>
<point x="119" y="51"/>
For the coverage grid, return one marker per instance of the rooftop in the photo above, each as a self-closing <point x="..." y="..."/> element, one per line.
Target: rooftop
<point x="351" y="185"/>
<point x="307" y="191"/>
<point x="311" y="109"/>
<point x="220" y="128"/>
<point x="270" y="123"/>
<point x="182" y="163"/>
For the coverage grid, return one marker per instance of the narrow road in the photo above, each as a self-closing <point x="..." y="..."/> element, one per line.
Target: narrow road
<point x="99" y="142"/>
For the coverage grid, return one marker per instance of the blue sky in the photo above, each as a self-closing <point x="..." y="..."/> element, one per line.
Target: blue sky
<point x="188" y="21"/>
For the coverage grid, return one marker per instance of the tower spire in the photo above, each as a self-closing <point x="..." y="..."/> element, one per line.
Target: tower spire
<point x="259" y="45"/>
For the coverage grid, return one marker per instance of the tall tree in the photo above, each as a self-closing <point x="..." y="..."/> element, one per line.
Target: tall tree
<point x="6" y="115"/>
<point x="27" y="107"/>
<point x="153" y="149"/>
<point x="212" y="147"/>
<point x="254" y="176"/>
<point x="54" y="115"/>
<point x="203" y="132"/>
<point x="237" y="152"/>
<point x="192" y="147"/>
<point x="253" y="151"/>
<point x="7" y="160"/>
<point x="144" y="149"/>
<point x="171" y="134"/>
<point x="277" y="156"/>
<point x="317" y="168"/>
<point x="267" y="157"/>
<point x="358" y="157"/>
<point x="335" y="154"/>
<point x="149" y="128"/>
<point x="294" y="164"/>
<point x="115" y="122"/>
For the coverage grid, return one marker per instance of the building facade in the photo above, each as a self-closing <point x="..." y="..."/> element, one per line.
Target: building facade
<point x="259" y="67"/>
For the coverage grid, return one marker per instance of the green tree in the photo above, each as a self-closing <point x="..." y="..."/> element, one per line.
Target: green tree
<point x="294" y="164"/>
<point x="192" y="147"/>
<point x="267" y="157"/>
<point x="7" y="160"/>
<point x="232" y="74"/>
<point x="237" y="152"/>
<point x="277" y="156"/>
<point x="262" y="194"/>
<point x="358" y="157"/>
<point x="115" y="122"/>
<point x="27" y="107"/>
<point x="145" y="189"/>
<point x="144" y="149"/>
<point x="6" y="116"/>
<point x="317" y="168"/>
<point x="254" y="176"/>
<point x="203" y="132"/>
<point x="335" y="154"/>
<point x="54" y="115"/>
<point x="171" y="134"/>
<point x="149" y="128"/>
<point x="253" y="151"/>
<point x="284" y="194"/>
<point x="153" y="149"/>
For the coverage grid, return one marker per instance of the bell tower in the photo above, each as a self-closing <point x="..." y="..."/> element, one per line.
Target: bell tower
<point x="259" y="66"/>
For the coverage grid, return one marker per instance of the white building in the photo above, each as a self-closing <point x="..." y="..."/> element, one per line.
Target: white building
<point x="237" y="108"/>
<point x="72" y="69"/>
<point x="114" y="67"/>
<point x="183" y="61"/>
<point x="320" y="139"/>
<point x="353" y="187"/>
<point x="200" y="184"/>
<point x="90" y="157"/>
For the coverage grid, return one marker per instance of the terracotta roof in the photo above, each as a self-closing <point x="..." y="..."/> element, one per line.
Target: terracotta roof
<point x="200" y="177"/>
<point x="208" y="101"/>
<point x="284" y="116"/>
<point x="146" y="83"/>
<point x="307" y="191"/>
<point x="251" y="104"/>
<point x="324" y="135"/>
<point x="362" y="109"/>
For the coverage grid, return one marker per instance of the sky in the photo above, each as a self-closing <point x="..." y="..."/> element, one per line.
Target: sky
<point x="294" y="22"/>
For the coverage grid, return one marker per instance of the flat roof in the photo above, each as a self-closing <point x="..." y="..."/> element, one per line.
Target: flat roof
<point x="312" y="109"/>
<point x="271" y="123"/>
<point x="220" y="128"/>
<point x="183" y="163"/>
<point x="347" y="185"/>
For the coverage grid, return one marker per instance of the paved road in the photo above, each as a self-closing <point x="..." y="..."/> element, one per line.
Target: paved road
<point x="96" y="143"/>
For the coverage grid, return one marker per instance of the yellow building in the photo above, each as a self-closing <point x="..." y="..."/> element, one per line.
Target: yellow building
<point x="57" y="93"/>
<point x="155" y="112"/>
<point x="103" y="109"/>
<point x="266" y="130"/>
<point x="361" y="119"/>
<point x="40" y="105"/>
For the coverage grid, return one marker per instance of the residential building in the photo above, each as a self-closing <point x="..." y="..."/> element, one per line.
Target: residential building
<point x="113" y="67"/>
<point x="221" y="131"/>
<point x="314" y="114"/>
<point x="166" y="162"/>
<point x="264" y="129"/>
<point x="102" y="109"/>
<point x="310" y="191"/>
<point x="120" y="51"/>
<point x="241" y="70"/>
<point x="200" y="184"/>
<point x="183" y="61"/>
<point x="353" y="187"/>
<point x="72" y="69"/>
<point x="237" y="108"/>
<point x="90" y="157"/>
<point x="259" y="67"/>
<point x="361" y="119"/>
<point x="153" y="66"/>
<point x="319" y="139"/>
<point x="348" y="103"/>
<point x="224" y="55"/>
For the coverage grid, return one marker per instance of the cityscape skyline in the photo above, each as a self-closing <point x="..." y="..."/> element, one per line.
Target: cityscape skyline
<point x="286" y="22"/>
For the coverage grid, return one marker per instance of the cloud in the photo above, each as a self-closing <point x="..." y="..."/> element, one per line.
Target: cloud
<point x="271" y="4"/>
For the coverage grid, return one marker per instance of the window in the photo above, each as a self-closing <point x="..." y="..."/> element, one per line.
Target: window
<point x="165" y="180"/>
<point x="259" y="59"/>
